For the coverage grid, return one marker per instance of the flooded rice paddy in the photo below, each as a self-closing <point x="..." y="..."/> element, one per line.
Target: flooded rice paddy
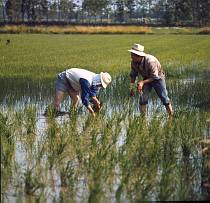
<point x="120" y="156"/>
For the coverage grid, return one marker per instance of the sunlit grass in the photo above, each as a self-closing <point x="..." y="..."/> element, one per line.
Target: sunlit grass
<point x="109" y="29"/>
<point x="76" y="29"/>
<point x="205" y="30"/>
<point x="43" y="56"/>
<point x="119" y="155"/>
<point x="151" y="158"/>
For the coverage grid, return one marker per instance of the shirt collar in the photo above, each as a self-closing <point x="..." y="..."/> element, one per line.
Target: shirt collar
<point x="96" y="80"/>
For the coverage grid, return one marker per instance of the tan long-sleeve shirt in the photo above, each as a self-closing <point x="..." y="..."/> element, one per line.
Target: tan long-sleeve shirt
<point x="149" y="67"/>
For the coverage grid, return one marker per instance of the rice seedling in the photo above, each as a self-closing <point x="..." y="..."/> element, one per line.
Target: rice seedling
<point x="43" y="56"/>
<point x="149" y="161"/>
<point x="7" y="151"/>
<point x="120" y="155"/>
<point x="32" y="183"/>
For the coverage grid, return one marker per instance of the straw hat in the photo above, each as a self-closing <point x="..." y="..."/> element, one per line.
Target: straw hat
<point x="138" y="49"/>
<point x="105" y="79"/>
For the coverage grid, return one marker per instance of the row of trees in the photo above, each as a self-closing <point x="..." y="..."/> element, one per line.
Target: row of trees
<point x="194" y="12"/>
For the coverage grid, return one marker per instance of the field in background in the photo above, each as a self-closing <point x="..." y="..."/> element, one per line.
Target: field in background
<point x="118" y="29"/>
<point x="44" y="55"/>
<point x="120" y="156"/>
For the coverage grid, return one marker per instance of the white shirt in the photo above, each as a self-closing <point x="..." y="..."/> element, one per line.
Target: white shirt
<point x="73" y="75"/>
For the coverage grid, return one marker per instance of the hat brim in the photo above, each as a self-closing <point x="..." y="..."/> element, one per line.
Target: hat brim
<point x="139" y="53"/>
<point x="104" y="85"/>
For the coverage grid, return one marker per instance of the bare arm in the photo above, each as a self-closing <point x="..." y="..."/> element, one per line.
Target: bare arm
<point x="149" y="80"/>
<point x="143" y="82"/>
<point x="97" y="104"/>
<point x="96" y="101"/>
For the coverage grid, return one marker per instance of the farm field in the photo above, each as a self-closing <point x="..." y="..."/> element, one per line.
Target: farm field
<point x="120" y="156"/>
<point x="42" y="56"/>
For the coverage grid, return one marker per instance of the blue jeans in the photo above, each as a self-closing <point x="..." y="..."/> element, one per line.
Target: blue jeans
<point x="160" y="89"/>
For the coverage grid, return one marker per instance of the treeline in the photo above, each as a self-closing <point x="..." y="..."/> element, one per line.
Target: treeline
<point x="156" y="12"/>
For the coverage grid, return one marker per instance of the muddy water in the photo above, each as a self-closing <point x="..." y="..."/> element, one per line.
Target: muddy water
<point x="16" y="94"/>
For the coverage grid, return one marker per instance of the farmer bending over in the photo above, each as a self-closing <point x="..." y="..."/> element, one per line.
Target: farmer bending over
<point x="153" y="76"/>
<point x="79" y="82"/>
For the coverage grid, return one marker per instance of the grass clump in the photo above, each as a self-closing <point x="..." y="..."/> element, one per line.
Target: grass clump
<point x="76" y="29"/>
<point x="7" y="151"/>
<point x="125" y="155"/>
<point x="120" y="154"/>
<point x="204" y="31"/>
<point x="109" y="29"/>
<point x="43" y="56"/>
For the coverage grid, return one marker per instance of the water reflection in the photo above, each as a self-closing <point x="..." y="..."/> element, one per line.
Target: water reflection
<point x="18" y="92"/>
<point x="120" y="156"/>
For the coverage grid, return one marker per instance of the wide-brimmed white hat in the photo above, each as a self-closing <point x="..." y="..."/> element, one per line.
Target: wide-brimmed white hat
<point x="105" y="79"/>
<point x="138" y="49"/>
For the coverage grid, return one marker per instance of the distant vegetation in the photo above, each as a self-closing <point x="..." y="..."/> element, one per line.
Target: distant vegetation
<point x="120" y="155"/>
<point x="44" y="55"/>
<point x="75" y="29"/>
<point x="117" y="29"/>
<point x="143" y="12"/>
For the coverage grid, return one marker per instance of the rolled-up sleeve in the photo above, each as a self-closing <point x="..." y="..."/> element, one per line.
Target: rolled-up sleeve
<point x="85" y="87"/>
<point x="87" y="91"/>
<point x="94" y="91"/>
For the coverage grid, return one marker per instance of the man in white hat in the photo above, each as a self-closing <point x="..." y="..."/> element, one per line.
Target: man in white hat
<point x="153" y="76"/>
<point x="80" y="83"/>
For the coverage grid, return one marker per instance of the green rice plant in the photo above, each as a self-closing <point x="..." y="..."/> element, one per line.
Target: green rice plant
<point x="32" y="183"/>
<point x="7" y="152"/>
<point x="187" y="129"/>
<point x="67" y="175"/>
<point x="132" y="157"/>
<point x="30" y="119"/>
<point x="158" y="146"/>
<point x="18" y="120"/>
<point x="57" y="142"/>
<point x="119" y="152"/>
<point x="25" y="129"/>
<point x="53" y="133"/>
<point x="156" y="160"/>
<point x="94" y="147"/>
<point x="43" y="56"/>
<point x="190" y="92"/>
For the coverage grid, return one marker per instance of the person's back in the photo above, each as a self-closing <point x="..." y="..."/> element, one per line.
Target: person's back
<point x="80" y="83"/>
<point x="149" y="67"/>
<point x="73" y="75"/>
